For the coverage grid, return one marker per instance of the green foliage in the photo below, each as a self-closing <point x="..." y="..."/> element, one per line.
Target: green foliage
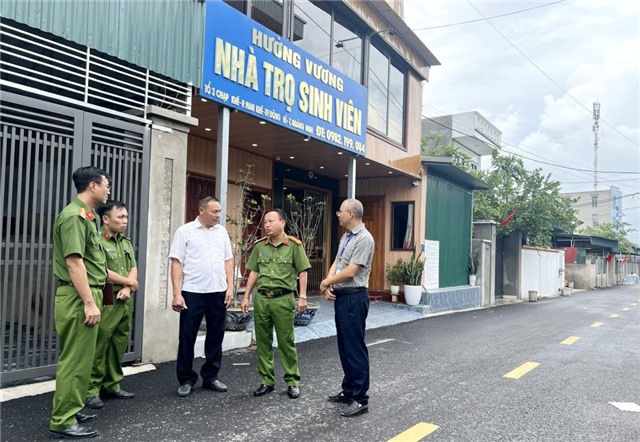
<point x="618" y="231"/>
<point x="472" y="264"/>
<point x="395" y="272"/>
<point x="432" y="146"/>
<point x="412" y="269"/>
<point x="533" y="195"/>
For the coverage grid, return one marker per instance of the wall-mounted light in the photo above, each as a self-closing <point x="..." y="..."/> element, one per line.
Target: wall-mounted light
<point x="306" y="138"/>
<point x="415" y="183"/>
<point x="390" y="31"/>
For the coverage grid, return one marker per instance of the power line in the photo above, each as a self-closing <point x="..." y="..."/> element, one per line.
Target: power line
<point x="523" y="156"/>
<point x="545" y="74"/>
<point x="482" y="19"/>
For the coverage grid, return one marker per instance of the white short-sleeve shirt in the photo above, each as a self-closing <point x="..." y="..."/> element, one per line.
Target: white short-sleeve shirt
<point x="202" y="253"/>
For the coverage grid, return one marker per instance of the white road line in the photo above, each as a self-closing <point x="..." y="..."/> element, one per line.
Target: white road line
<point x="626" y="406"/>
<point x="381" y="341"/>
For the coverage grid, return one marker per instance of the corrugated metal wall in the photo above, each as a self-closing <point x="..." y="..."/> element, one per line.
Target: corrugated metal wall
<point x="164" y="36"/>
<point x="449" y="221"/>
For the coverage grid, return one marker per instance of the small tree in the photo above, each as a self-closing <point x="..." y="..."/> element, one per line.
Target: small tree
<point x="304" y="219"/>
<point x="245" y="219"/>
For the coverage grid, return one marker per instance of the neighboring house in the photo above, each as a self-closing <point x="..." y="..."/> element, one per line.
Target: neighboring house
<point x="470" y="132"/>
<point x="324" y="98"/>
<point x="597" y="206"/>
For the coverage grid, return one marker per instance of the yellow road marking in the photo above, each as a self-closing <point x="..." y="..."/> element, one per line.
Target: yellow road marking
<point x="614" y="315"/>
<point x="597" y="324"/>
<point x="570" y="340"/>
<point x="415" y="433"/>
<point x="626" y="309"/>
<point x="522" y="370"/>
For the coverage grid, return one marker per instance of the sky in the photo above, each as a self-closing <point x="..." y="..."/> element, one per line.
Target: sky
<point x="535" y="74"/>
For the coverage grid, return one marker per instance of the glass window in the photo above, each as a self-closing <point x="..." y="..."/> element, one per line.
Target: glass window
<point x="268" y="13"/>
<point x="396" y="105"/>
<point x="386" y="96"/>
<point x="594" y="201"/>
<point x="378" y="90"/>
<point x="348" y="58"/>
<point x="316" y="31"/>
<point x="594" y="220"/>
<point x="402" y="225"/>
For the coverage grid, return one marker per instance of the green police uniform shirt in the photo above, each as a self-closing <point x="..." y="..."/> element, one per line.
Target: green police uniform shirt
<point x="278" y="267"/>
<point x="75" y="232"/>
<point x="119" y="252"/>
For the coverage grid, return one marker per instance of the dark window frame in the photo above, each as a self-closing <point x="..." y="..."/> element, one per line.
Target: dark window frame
<point x="393" y="243"/>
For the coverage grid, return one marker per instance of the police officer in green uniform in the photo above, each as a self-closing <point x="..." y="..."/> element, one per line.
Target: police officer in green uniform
<point x="79" y="265"/>
<point x="275" y="263"/>
<point x="115" y="324"/>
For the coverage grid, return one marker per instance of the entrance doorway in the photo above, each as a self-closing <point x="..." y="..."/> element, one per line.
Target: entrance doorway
<point x="308" y="209"/>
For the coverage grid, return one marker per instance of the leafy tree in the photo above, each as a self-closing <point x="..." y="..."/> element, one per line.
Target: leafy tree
<point x="533" y="199"/>
<point x="618" y="231"/>
<point x="432" y="146"/>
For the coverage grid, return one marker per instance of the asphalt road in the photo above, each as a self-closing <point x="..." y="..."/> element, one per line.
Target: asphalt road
<point x="446" y="371"/>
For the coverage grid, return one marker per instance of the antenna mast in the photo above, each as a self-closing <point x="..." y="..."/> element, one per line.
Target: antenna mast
<point x="596" y="125"/>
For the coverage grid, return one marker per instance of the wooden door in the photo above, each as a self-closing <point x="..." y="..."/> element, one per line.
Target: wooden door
<point x="374" y="222"/>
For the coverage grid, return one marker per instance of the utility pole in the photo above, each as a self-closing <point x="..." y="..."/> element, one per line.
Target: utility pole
<point x="596" y="125"/>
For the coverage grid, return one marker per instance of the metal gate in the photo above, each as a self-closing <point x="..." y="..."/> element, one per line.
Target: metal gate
<point x="42" y="144"/>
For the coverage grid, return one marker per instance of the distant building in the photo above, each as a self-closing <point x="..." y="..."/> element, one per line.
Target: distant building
<point x="470" y="132"/>
<point x="598" y="206"/>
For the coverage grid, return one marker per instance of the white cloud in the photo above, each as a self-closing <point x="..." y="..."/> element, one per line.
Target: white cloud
<point x="582" y="51"/>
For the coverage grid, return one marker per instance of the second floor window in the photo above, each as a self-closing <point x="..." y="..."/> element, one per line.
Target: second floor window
<point x="386" y="96"/>
<point x="594" y="201"/>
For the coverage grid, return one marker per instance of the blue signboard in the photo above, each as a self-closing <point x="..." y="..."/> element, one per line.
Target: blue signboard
<point x="252" y="69"/>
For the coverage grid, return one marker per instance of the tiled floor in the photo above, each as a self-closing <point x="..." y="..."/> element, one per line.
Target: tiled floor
<point x="380" y="314"/>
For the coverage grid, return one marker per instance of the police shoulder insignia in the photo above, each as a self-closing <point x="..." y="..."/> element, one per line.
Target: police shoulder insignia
<point x="83" y="213"/>
<point x="295" y="240"/>
<point x="261" y="239"/>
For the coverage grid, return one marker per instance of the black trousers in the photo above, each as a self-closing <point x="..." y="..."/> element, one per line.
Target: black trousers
<point x="351" y="312"/>
<point x="211" y="307"/>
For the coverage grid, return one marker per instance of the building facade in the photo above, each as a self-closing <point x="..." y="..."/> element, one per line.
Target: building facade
<point x="469" y="132"/>
<point x="597" y="206"/>
<point x="118" y="91"/>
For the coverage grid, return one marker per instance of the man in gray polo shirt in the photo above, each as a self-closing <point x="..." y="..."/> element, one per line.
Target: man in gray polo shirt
<point x="346" y="284"/>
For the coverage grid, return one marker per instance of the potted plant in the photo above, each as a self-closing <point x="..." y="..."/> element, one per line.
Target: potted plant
<point x="304" y="218"/>
<point x="412" y="271"/>
<point x="472" y="267"/>
<point x="243" y="222"/>
<point x="395" y="276"/>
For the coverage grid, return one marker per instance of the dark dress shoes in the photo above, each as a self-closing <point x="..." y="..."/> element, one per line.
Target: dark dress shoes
<point x="354" y="408"/>
<point x="184" y="390"/>
<point x="293" y="392"/>
<point x="263" y="389"/>
<point x="339" y="398"/>
<point x="119" y="394"/>
<point x="75" y="432"/>
<point x="94" y="402"/>
<point x="215" y="386"/>
<point x="85" y="417"/>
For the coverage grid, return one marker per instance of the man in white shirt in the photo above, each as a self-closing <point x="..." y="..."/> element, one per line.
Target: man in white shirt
<point x="201" y="275"/>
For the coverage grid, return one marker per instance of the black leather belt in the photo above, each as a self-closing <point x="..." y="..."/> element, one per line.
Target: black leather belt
<point x="348" y="290"/>
<point x="71" y="284"/>
<point x="274" y="293"/>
